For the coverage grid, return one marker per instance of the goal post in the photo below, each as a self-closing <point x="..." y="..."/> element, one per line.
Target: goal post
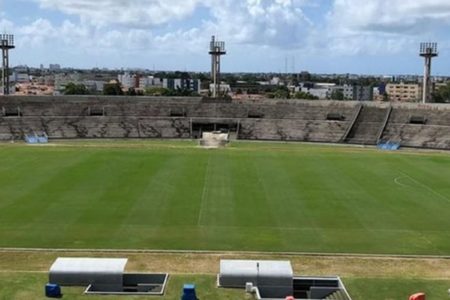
<point x="214" y="139"/>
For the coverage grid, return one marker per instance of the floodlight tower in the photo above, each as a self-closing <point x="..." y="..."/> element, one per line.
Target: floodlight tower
<point x="216" y="50"/>
<point x="428" y="51"/>
<point x="6" y="44"/>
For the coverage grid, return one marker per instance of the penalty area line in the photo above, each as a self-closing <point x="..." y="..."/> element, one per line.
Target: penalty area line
<point x="397" y="181"/>
<point x="426" y="187"/>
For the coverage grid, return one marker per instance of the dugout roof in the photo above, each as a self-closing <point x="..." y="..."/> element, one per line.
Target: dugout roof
<point x="85" y="271"/>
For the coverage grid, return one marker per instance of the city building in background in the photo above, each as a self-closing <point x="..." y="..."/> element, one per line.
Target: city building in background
<point x="54" y="67"/>
<point x="404" y="92"/>
<point x="193" y="85"/>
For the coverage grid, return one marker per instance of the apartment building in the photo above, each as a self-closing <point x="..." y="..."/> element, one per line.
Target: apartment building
<point x="150" y="81"/>
<point x="357" y="92"/>
<point x="403" y="92"/>
<point x="184" y="84"/>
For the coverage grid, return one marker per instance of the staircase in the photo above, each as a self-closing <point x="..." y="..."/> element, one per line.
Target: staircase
<point x="367" y="127"/>
<point x="338" y="295"/>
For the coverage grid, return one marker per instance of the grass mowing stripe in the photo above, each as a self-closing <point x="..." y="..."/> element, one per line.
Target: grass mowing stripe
<point x="204" y="192"/>
<point x="259" y="196"/>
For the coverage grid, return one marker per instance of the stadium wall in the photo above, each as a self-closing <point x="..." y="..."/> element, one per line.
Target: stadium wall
<point x="70" y="117"/>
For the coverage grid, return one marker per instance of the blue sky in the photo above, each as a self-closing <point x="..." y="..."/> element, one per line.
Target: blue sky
<point x="321" y="36"/>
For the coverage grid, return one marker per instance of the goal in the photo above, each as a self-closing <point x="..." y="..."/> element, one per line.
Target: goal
<point x="216" y="139"/>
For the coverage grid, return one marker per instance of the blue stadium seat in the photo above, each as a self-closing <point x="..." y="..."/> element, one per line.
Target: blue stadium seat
<point x="389" y="146"/>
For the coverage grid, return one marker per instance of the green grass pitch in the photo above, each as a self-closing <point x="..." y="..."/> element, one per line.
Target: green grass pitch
<point x="249" y="196"/>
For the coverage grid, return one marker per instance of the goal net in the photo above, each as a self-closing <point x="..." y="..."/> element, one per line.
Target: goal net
<point x="213" y="140"/>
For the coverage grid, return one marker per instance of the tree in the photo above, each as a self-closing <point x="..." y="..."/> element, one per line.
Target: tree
<point x="112" y="89"/>
<point x="305" y="96"/>
<point x="231" y="80"/>
<point x="337" y="95"/>
<point x="134" y="92"/>
<point x="183" y="92"/>
<point x="182" y="75"/>
<point x="442" y="95"/>
<point x="157" y="91"/>
<point x="201" y="76"/>
<point x="75" y="89"/>
<point x="131" y="92"/>
<point x="282" y="93"/>
<point x="252" y="91"/>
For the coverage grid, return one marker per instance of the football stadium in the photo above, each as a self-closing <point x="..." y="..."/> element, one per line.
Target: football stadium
<point x="188" y="187"/>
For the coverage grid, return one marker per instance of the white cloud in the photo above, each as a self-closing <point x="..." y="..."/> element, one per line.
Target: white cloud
<point x="36" y="34"/>
<point x="6" y="25"/>
<point x="390" y="16"/>
<point x="136" y="13"/>
<point x="384" y="26"/>
<point x="263" y="22"/>
<point x="280" y="23"/>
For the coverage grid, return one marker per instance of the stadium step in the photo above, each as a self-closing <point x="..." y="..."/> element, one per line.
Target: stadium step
<point x="368" y="125"/>
<point x="339" y="295"/>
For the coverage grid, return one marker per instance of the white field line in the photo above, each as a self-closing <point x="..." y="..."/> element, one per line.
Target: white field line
<point x="427" y="188"/>
<point x="23" y="272"/>
<point x="224" y="253"/>
<point x="328" y="229"/>
<point x="427" y="240"/>
<point x="204" y="193"/>
<point x="397" y="181"/>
